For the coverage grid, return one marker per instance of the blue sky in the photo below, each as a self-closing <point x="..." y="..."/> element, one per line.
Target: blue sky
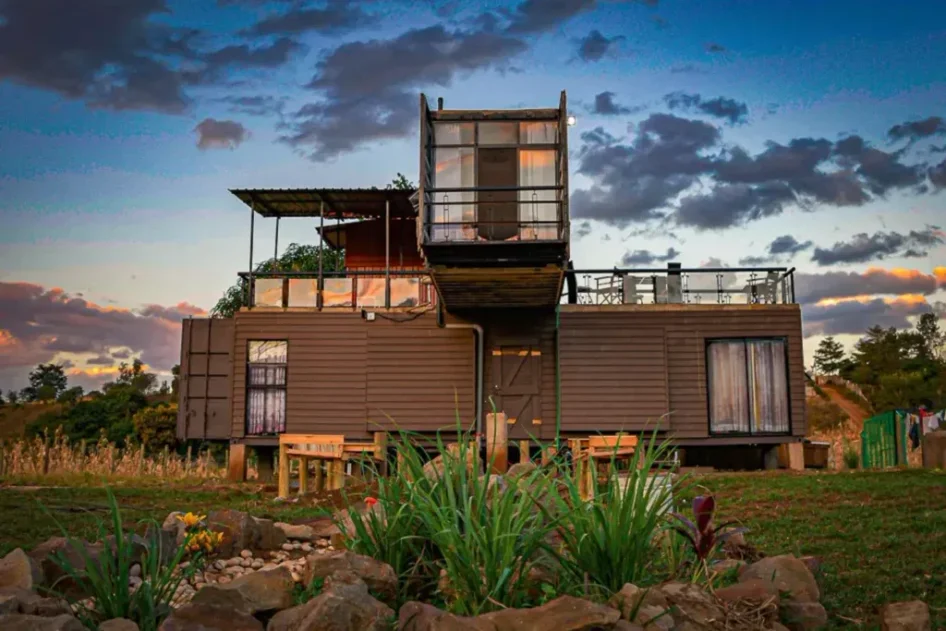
<point x="104" y="191"/>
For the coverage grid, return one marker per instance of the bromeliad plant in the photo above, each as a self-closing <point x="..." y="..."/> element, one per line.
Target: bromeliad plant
<point x="704" y="538"/>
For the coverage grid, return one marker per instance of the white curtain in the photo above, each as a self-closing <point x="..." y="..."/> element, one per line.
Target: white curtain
<point x="266" y="391"/>
<point x="537" y="168"/>
<point x="769" y="386"/>
<point x="455" y="168"/>
<point x="728" y="386"/>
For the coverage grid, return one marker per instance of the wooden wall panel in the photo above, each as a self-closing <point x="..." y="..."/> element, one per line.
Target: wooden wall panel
<point x="206" y="378"/>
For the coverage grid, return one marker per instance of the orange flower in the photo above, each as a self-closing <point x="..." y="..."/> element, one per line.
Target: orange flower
<point x="370" y="501"/>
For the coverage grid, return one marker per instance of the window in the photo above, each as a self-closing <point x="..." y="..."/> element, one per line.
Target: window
<point x="748" y="386"/>
<point x="266" y="387"/>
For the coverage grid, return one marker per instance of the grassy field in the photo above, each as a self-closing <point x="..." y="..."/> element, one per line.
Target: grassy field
<point x="881" y="535"/>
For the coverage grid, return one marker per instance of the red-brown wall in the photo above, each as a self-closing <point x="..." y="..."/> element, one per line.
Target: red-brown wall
<point x="365" y="245"/>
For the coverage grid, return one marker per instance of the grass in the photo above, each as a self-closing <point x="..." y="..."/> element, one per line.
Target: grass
<point x="881" y="535"/>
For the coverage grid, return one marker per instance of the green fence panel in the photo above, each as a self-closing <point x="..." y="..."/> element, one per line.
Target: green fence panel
<point x="884" y="440"/>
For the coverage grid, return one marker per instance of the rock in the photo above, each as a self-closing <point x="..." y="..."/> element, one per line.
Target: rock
<point x="198" y="617"/>
<point x="20" y="571"/>
<point x="9" y="603"/>
<point x="235" y="561"/>
<point x="416" y="616"/>
<point x="238" y="528"/>
<point x="22" y="622"/>
<point x="118" y="624"/>
<point x="691" y="604"/>
<point x="257" y="564"/>
<point x="296" y="531"/>
<point x="803" y="615"/>
<point x="631" y="598"/>
<point x="134" y="570"/>
<point x="754" y="589"/>
<point x="789" y="576"/>
<point x="287" y="547"/>
<point x="245" y="563"/>
<point x="624" y="625"/>
<point x="520" y="470"/>
<point x="341" y="608"/>
<point x="220" y="596"/>
<point x="268" y="536"/>
<point x="260" y="591"/>
<point x="17" y="600"/>
<point x="75" y="552"/>
<point x="434" y="468"/>
<point x="379" y="577"/>
<point x="175" y="527"/>
<point x="655" y="618"/>
<point x="778" y="626"/>
<point x="565" y="613"/>
<point x="219" y="564"/>
<point x="235" y="570"/>
<point x="813" y="563"/>
<point x="905" y="616"/>
<point x="246" y="554"/>
<point x="728" y="566"/>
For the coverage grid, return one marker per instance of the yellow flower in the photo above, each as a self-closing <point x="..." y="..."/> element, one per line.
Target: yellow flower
<point x="190" y="519"/>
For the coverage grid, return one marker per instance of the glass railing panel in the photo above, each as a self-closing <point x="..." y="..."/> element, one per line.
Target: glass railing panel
<point x="370" y="292"/>
<point x="337" y="292"/>
<point x="405" y="292"/>
<point x="267" y="292"/>
<point x="303" y="292"/>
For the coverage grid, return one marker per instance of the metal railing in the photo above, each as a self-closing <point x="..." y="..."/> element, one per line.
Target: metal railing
<point x="676" y="285"/>
<point x="449" y="217"/>
<point x="350" y="289"/>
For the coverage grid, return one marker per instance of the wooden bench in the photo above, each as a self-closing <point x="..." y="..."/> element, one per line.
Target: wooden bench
<point x="589" y="453"/>
<point x="330" y="450"/>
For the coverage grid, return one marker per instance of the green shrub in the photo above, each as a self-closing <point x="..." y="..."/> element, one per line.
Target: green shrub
<point x="851" y="458"/>
<point x="156" y="426"/>
<point x="825" y="416"/>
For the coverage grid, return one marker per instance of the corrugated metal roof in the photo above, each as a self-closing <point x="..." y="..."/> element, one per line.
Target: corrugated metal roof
<point x="343" y="203"/>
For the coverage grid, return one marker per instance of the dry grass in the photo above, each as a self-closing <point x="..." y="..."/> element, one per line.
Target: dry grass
<point x="54" y="456"/>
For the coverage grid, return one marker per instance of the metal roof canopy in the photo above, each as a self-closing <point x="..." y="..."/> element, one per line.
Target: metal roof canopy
<point x="338" y="203"/>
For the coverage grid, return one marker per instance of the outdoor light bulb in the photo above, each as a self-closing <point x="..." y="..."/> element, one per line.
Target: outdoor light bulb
<point x="572" y="120"/>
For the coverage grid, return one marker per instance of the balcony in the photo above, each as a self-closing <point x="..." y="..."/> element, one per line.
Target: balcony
<point x="686" y="286"/>
<point x="346" y="290"/>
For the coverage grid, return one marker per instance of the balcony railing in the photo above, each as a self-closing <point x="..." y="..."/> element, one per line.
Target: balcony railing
<point x="454" y="215"/>
<point x="676" y="285"/>
<point x="352" y="289"/>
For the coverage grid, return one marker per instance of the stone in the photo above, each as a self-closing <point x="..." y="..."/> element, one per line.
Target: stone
<point x="260" y="591"/>
<point x="789" y="575"/>
<point x="296" y="531"/>
<point x="118" y="624"/>
<point x="9" y="603"/>
<point x="238" y="528"/>
<point x="203" y="617"/>
<point x="257" y="564"/>
<point x="75" y="552"/>
<point x="417" y="616"/>
<point x="624" y="625"/>
<point x="565" y="613"/>
<point x="134" y="570"/>
<point x="341" y="608"/>
<point x="219" y="564"/>
<point x="175" y="527"/>
<point x="778" y="626"/>
<point x="379" y="577"/>
<point x="631" y="598"/>
<point x="246" y="563"/>
<point x="20" y="571"/>
<point x="17" y="600"/>
<point x="434" y="468"/>
<point x="287" y="547"/>
<point x="803" y="615"/>
<point x="520" y="470"/>
<point x="905" y="616"/>
<point x="728" y="566"/>
<point x="691" y="604"/>
<point x="813" y="564"/>
<point x="269" y="537"/>
<point x="754" y="589"/>
<point x="235" y="561"/>
<point x="655" y="618"/>
<point x="23" y="622"/>
<point x="246" y="554"/>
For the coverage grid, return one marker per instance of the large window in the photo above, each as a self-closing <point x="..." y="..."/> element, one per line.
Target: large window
<point x="266" y="387"/>
<point x="748" y="386"/>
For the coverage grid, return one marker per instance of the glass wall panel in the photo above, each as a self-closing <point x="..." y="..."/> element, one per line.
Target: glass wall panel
<point x="405" y="292"/>
<point x="337" y="292"/>
<point x="493" y="133"/>
<point x="453" y="133"/>
<point x="538" y="132"/>
<point x="267" y="292"/>
<point x="455" y="168"/>
<point x="303" y="292"/>
<point x="537" y="168"/>
<point x="370" y="292"/>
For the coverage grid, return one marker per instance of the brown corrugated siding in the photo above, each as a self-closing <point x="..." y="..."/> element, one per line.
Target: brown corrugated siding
<point x="684" y="330"/>
<point x="413" y="367"/>
<point x="205" y="379"/>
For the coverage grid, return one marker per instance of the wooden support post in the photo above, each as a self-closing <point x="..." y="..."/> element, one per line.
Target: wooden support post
<point x="283" y="472"/>
<point x="524" y="450"/>
<point x="381" y="452"/>
<point x="303" y="476"/>
<point x="339" y="474"/>
<point x="497" y="443"/>
<point x="236" y="468"/>
<point x="319" y="479"/>
<point x="264" y="463"/>
<point x="796" y="456"/>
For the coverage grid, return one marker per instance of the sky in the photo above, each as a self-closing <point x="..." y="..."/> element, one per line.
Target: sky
<point x="786" y="132"/>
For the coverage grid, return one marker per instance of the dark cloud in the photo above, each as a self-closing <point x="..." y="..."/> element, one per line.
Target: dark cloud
<point x="937" y="175"/>
<point x="36" y="324"/>
<point x="812" y="288"/>
<point x="595" y="46"/>
<point x="781" y="248"/>
<point x="122" y="353"/>
<point x="634" y="182"/>
<point x="918" y="129"/>
<point x="337" y="16"/>
<point x="714" y="48"/>
<point x="100" y="360"/>
<point x="246" y="56"/>
<point x="686" y="69"/>
<point x="369" y="87"/>
<point x="882" y="171"/>
<point x="260" y="105"/>
<point x="862" y="248"/>
<point x="728" y="205"/>
<point x="583" y="230"/>
<point x="605" y="105"/>
<point x="646" y="257"/>
<point x="536" y="16"/>
<point x="856" y="316"/>
<point x="720" y="107"/>
<point x="218" y="134"/>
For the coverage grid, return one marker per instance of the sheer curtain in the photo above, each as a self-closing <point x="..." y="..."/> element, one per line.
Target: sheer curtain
<point x="454" y="169"/>
<point x="728" y="386"/>
<point x="769" y="386"/>
<point x="537" y="168"/>
<point x="266" y="391"/>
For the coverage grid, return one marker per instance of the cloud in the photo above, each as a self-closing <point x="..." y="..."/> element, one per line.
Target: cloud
<point x="583" y="230"/>
<point x="100" y="360"/>
<point x="217" y="134"/>
<point x="857" y="315"/>
<point x="812" y="288"/>
<point x="714" y="48"/>
<point x="918" y="129"/>
<point x="246" y="56"/>
<point x="369" y="87"/>
<point x="720" y="107"/>
<point x="39" y="324"/>
<point x="595" y="46"/>
<point x="336" y="17"/>
<point x="646" y="257"/>
<point x="122" y="353"/>
<point x="781" y="248"/>
<point x="605" y="105"/>
<point x="679" y="170"/>
<point x="536" y="16"/>
<point x="862" y="247"/>
<point x="259" y="105"/>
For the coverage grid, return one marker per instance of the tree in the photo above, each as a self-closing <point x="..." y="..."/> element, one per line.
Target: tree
<point x="2" y="402"/>
<point x="175" y="378"/>
<point x="296" y="258"/>
<point x="156" y="426"/>
<point x="47" y="381"/>
<point x="135" y="377"/>
<point x="401" y="183"/>
<point x="932" y="336"/>
<point x="13" y="397"/>
<point x="70" y="396"/>
<point x="829" y="358"/>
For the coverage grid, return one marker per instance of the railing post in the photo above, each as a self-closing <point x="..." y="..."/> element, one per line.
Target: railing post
<point x="249" y="297"/>
<point x="387" y="254"/>
<point x="318" y="284"/>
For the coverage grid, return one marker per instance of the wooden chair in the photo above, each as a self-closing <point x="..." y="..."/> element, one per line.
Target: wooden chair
<point x="329" y="450"/>
<point x="596" y="450"/>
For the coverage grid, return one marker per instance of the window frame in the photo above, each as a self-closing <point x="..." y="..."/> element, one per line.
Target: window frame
<point x="248" y="387"/>
<point x="709" y="393"/>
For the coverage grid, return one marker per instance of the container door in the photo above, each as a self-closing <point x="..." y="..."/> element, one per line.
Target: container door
<point x="517" y="374"/>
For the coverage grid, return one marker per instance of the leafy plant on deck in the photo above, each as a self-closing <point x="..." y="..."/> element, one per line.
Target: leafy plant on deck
<point x="105" y="577"/>
<point x="703" y="537"/>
